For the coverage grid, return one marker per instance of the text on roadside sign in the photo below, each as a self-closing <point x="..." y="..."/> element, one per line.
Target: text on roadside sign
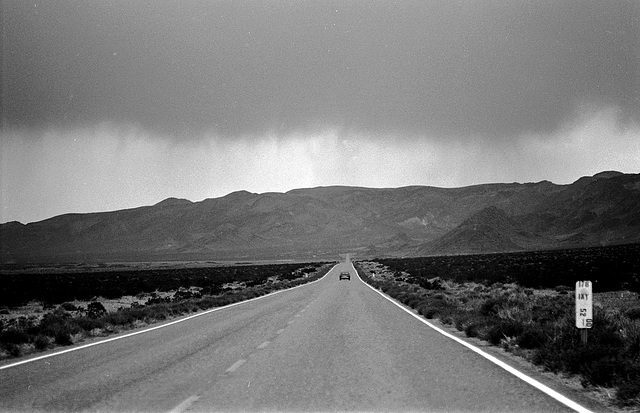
<point x="584" y="304"/>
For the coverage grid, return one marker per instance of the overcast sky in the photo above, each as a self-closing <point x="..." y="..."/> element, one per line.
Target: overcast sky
<point x="116" y="104"/>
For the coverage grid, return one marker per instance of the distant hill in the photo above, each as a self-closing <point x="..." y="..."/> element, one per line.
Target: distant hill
<point x="320" y="222"/>
<point x="488" y="230"/>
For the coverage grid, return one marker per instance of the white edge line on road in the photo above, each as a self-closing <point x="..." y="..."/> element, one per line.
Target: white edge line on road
<point x="533" y="382"/>
<point x="69" y="350"/>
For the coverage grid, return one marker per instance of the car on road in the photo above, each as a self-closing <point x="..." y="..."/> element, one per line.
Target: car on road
<point x="345" y="276"/>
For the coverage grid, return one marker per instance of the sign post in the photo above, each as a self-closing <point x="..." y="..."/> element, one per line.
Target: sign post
<point x="584" y="308"/>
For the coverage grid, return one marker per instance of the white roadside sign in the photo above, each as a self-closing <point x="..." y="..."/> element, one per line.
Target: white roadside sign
<point x="584" y="304"/>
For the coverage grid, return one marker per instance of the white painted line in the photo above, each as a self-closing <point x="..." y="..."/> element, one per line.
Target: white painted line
<point x="535" y="383"/>
<point x="290" y="322"/>
<point x="264" y="345"/>
<point x="69" y="350"/>
<point x="185" y="404"/>
<point x="280" y="331"/>
<point x="236" y="366"/>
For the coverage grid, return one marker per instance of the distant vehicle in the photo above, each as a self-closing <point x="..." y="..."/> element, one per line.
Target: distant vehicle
<point x="345" y="276"/>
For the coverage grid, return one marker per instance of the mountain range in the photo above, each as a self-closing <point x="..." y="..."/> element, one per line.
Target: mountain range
<point x="321" y="222"/>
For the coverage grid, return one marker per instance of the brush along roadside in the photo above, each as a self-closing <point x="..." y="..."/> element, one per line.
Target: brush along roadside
<point x="69" y="323"/>
<point x="538" y="325"/>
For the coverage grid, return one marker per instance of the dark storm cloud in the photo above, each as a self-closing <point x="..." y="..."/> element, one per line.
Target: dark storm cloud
<point x="252" y="67"/>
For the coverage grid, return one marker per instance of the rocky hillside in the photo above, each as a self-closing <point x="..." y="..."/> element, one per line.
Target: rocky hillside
<point x="317" y="222"/>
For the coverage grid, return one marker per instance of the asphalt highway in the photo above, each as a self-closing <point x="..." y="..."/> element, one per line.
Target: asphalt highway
<point x="328" y="346"/>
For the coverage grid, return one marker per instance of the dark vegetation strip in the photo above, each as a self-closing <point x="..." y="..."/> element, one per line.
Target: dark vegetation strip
<point x="18" y="289"/>
<point x="536" y="325"/>
<point x="610" y="268"/>
<point x="67" y="323"/>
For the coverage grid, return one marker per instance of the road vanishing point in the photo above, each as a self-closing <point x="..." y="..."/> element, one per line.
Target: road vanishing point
<point x="330" y="345"/>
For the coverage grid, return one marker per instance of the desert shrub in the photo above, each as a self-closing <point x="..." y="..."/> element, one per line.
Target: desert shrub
<point x="434" y="307"/>
<point x="59" y="326"/>
<point x="472" y="330"/>
<point x="468" y="321"/>
<point x="446" y="316"/>
<point x="532" y="337"/>
<point x="503" y="329"/>
<point x="597" y="361"/>
<point x="88" y="324"/>
<point x="157" y="300"/>
<point x="411" y="300"/>
<point x="203" y="304"/>
<point x="433" y="284"/>
<point x="602" y="361"/>
<point x="628" y="393"/>
<point x="405" y="298"/>
<point x="41" y="342"/>
<point x="547" y="310"/>
<point x="14" y="336"/>
<point x="14" y="350"/>
<point x="599" y="364"/>
<point x="95" y="309"/>
<point x="185" y="294"/>
<point x="249" y="295"/>
<point x="391" y="289"/>
<point x="492" y="306"/>
<point x="459" y="320"/>
<point x="602" y="371"/>
<point x="212" y="289"/>
<point x="633" y="313"/>
<point x="62" y="335"/>
<point x="50" y="320"/>
<point x="178" y="309"/>
<point x="68" y="306"/>
<point x="427" y="311"/>
<point x="259" y="282"/>
<point x="549" y="357"/>
<point x="630" y="332"/>
<point x="119" y="318"/>
<point x="158" y="311"/>
<point x="462" y="319"/>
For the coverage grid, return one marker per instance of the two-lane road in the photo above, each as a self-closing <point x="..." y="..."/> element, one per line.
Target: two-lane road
<point x="329" y="346"/>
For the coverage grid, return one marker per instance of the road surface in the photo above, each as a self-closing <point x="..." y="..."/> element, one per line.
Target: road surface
<point x="329" y="346"/>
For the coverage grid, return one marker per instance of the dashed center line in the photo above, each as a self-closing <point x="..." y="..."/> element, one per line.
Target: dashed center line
<point x="280" y="331"/>
<point x="263" y="345"/>
<point x="290" y="322"/>
<point x="236" y="366"/>
<point x="185" y="404"/>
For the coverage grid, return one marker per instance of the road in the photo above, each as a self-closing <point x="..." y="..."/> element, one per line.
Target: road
<point x="329" y="346"/>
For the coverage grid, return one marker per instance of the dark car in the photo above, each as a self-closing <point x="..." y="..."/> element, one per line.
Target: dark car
<point x="345" y="276"/>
